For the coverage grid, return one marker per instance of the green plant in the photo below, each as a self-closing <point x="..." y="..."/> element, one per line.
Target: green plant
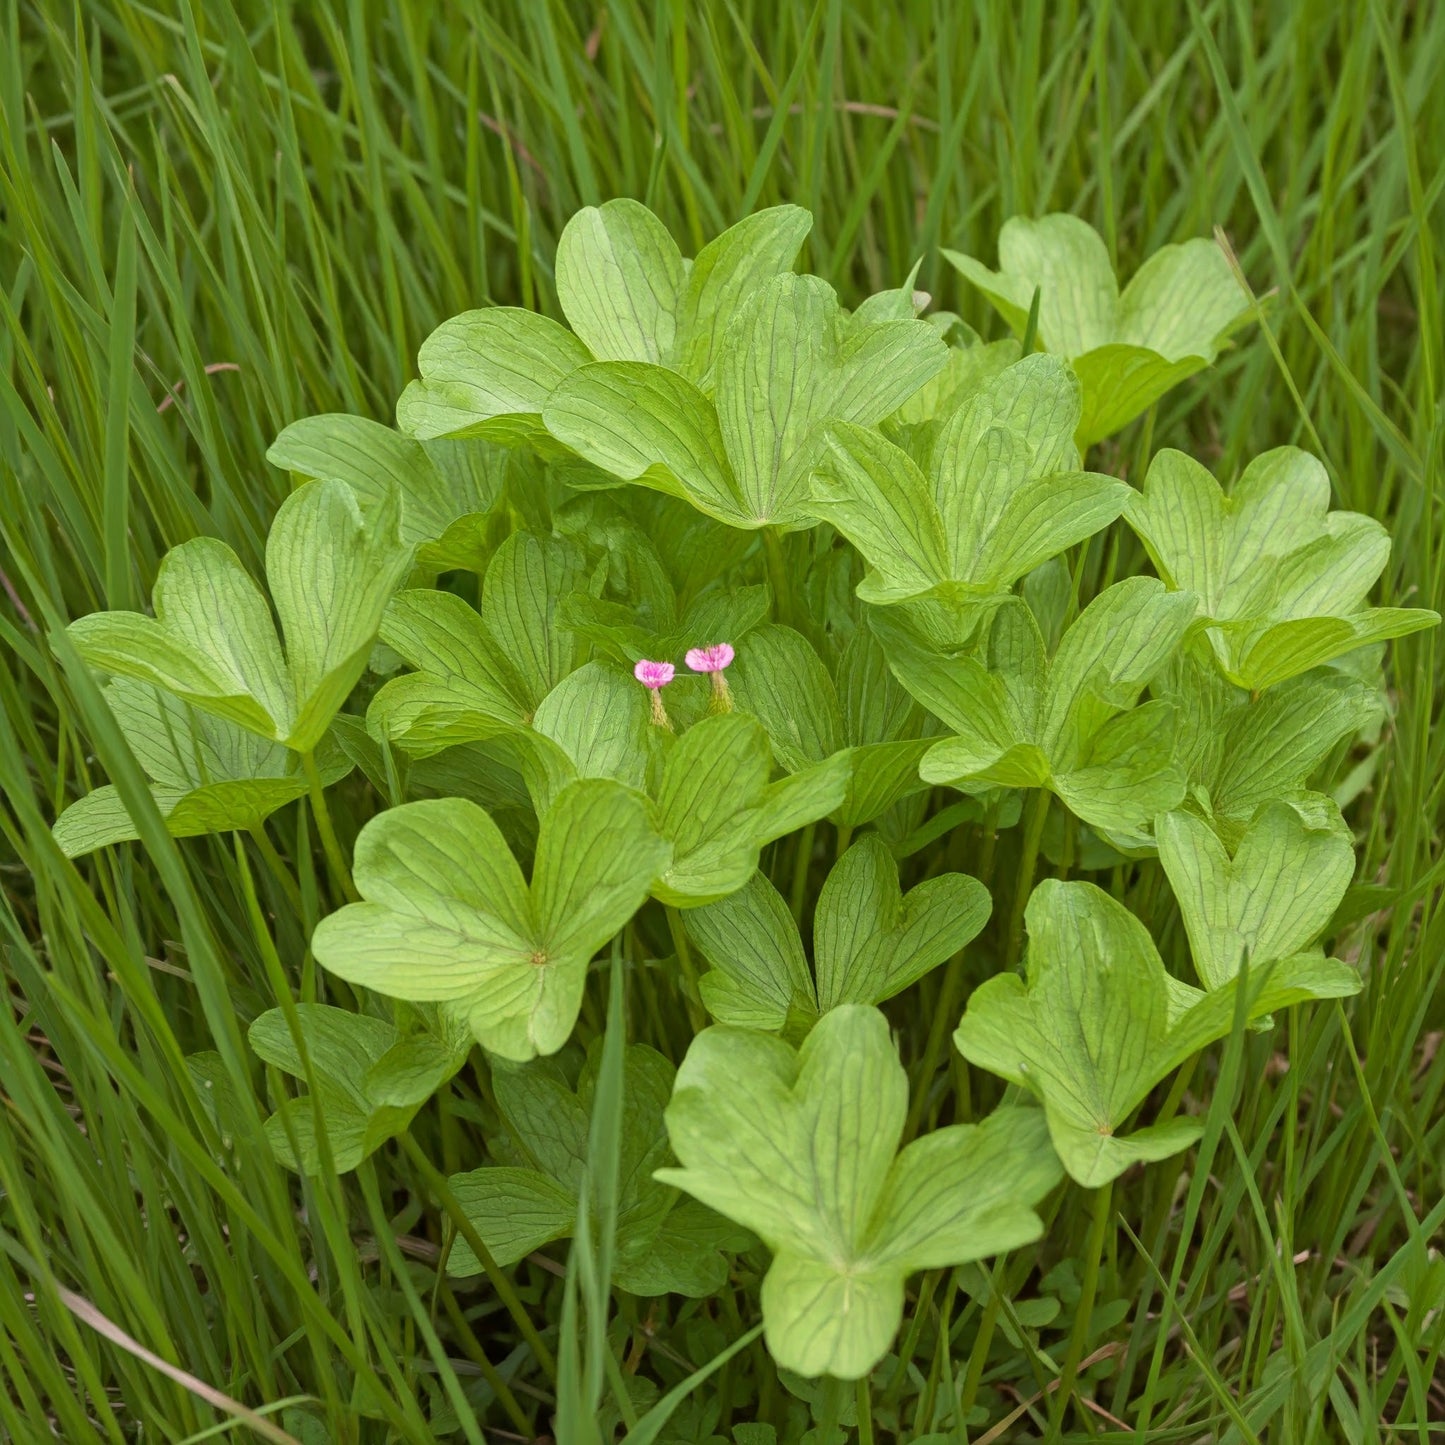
<point x="798" y="666"/>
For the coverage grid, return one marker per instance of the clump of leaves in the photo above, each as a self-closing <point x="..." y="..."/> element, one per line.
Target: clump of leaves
<point x="1280" y="580"/>
<point x="448" y="917"/>
<point x="802" y="1148"/>
<point x="593" y="706"/>
<point x="212" y="642"/>
<point x="1126" y="347"/>
<point x="368" y="1077"/>
<point x="1099" y="1022"/>
<point x="870" y="940"/>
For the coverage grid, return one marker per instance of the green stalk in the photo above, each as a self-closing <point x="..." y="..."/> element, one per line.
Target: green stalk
<point x="865" y="1413"/>
<point x="335" y="858"/>
<point x="468" y="1231"/>
<point x="938" y="1027"/>
<point x="472" y="1349"/>
<point x="278" y="869"/>
<point x="691" y="994"/>
<point x="978" y="1356"/>
<point x="778" y="575"/>
<point x="1024" y="884"/>
<point x="1099" y="1215"/>
<point x="802" y="861"/>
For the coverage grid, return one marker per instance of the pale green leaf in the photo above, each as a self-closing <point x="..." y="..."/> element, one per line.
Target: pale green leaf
<point x="211" y="642"/>
<point x="759" y="976"/>
<point x="1268" y="898"/>
<point x="1128" y="350"/>
<point x="489" y="373"/>
<point x="448" y="916"/>
<point x="802" y="1149"/>
<point x="871" y="941"/>
<point x="716" y="807"/>
<point x="781" y="681"/>
<point x="619" y="281"/>
<point x="1281" y="581"/>
<point x="648" y="425"/>
<point x="726" y="272"/>
<point x="791" y="361"/>
<point x="438" y="482"/>
<point x="343" y="1051"/>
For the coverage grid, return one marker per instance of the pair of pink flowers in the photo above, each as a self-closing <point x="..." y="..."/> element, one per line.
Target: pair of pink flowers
<point x="655" y="676"/>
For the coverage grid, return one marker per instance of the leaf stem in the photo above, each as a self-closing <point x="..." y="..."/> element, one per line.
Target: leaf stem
<point x="978" y="1356"/>
<point x="1099" y="1216"/>
<point x="691" y="993"/>
<point x="468" y="1231"/>
<point x="472" y="1348"/>
<point x="946" y="1010"/>
<point x="802" y="861"/>
<point x="865" y="1413"/>
<point x="778" y="575"/>
<point x="335" y="858"/>
<point x="1037" y="815"/>
<point x="277" y="868"/>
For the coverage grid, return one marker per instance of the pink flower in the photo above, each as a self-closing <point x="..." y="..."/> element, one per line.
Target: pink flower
<point x="710" y="659"/>
<point x="714" y="659"/>
<point x="658" y="674"/>
<point x="655" y="676"/>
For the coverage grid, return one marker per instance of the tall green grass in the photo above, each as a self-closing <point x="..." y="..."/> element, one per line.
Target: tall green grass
<point x="215" y="218"/>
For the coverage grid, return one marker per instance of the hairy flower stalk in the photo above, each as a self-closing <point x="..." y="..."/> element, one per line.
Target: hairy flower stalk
<point x="714" y="660"/>
<point x="654" y="676"/>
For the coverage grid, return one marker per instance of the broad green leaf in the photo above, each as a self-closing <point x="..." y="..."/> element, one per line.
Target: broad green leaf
<point x="598" y="719"/>
<point x="883" y="727"/>
<point x="1070" y="724"/>
<point x="331" y="574"/>
<point x="619" y="280"/>
<point x="716" y="807"/>
<point x="881" y="775"/>
<point x="488" y="374"/>
<point x="871" y="940"/>
<point x="1240" y="753"/>
<point x="789" y="361"/>
<point x="1281" y="580"/>
<point x="480" y="676"/>
<point x="1001" y="494"/>
<point x="1268" y="898"/>
<point x="782" y="682"/>
<point x="971" y="362"/>
<point x="726" y="272"/>
<point x="212" y="641"/>
<point x="524" y="586"/>
<point x="1099" y="1023"/>
<point x="663" y="1245"/>
<point x="1259" y="655"/>
<point x="464" y="688"/>
<point x="630" y="296"/>
<point x="439" y="482"/>
<point x="1171" y="320"/>
<point x="760" y="977"/>
<point x="448" y="917"/>
<point x="876" y="496"/>
<point x="649" y="425"/>
<point x="207" y="775"/>
<point x="355" y="1063"/>
<point x="802" y="1149"/>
